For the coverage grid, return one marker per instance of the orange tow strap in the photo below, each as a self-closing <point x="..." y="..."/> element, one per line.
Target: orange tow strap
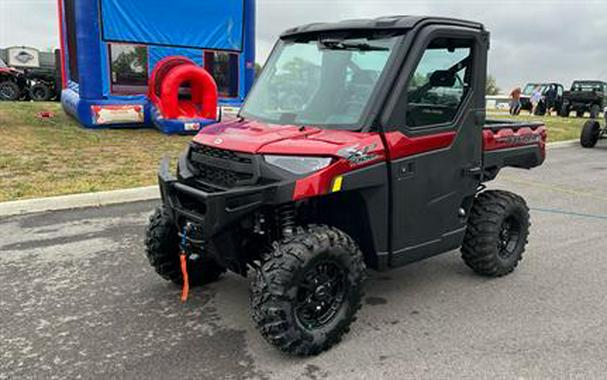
<point x="186" y="280"/>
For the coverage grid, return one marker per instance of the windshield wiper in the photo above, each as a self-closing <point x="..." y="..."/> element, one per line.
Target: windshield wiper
<point x="341" y="45"/>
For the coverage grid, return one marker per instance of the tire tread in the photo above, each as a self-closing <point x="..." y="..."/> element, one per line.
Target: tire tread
<point x="269" y="289"/>
<point x="479" y="250"/>
<point x="162" y="251"/>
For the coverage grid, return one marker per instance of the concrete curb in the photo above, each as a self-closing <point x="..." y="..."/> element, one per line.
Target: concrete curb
<point x="67" y="202"/>
<point x="106" y="198"/>
<point x="563" y="144"/>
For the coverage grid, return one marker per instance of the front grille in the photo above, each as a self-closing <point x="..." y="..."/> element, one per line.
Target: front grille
<point x="221" y="177"/>
<point x="222" y="154"/>
<point x="217" y="169"/>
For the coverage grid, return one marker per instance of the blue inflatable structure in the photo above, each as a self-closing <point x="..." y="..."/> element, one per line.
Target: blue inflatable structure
<point x="110" y="49"/>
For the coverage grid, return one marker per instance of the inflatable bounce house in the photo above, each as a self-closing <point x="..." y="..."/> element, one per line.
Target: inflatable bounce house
<point x="174" y="65"/>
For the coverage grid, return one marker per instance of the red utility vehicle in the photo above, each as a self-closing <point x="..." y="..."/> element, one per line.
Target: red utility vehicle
<point x="12" y="82"/>
<point x="363" y="144"/>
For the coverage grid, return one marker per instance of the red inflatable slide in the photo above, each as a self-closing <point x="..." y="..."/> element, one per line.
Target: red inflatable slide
<point x="183" y="96"/>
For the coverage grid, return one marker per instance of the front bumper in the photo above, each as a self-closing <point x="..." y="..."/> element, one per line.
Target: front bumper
<point x="215" y="212"/>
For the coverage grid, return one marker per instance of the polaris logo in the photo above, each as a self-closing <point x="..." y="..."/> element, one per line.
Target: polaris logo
<point x="24" y="57"/>
<point x="519" y="140"/>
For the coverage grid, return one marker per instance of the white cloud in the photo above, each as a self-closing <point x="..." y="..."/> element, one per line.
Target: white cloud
<point x="29" y="22"/>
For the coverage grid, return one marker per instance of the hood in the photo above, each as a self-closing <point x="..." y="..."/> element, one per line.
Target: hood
<point x="261" y="138"/>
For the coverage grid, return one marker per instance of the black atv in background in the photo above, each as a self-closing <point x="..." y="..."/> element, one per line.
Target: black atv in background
<point x="43" y="84"/>
<point x="543" y="106"/>
<point x="585" y="96"/>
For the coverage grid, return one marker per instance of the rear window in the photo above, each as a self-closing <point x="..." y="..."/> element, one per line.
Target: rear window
<point x="530" y="88"/>
<point x="587" y="86"/>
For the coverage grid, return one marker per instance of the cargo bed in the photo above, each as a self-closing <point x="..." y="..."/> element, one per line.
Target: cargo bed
<point x="508" y="143"/>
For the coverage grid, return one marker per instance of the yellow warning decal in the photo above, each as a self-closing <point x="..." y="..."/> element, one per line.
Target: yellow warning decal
<point x="337" y="184"/>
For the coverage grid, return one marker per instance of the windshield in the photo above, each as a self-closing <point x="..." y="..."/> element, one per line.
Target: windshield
<point x="530" y="88"/>
<point x="2" y="64"/>
<point x="325" y="83"/>
<point x="587" y="86"/>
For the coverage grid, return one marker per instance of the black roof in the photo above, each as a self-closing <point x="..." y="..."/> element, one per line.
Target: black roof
<point x="589" y="81"/>
<point x="382" y="23"/>
<point x="541" y="83"/>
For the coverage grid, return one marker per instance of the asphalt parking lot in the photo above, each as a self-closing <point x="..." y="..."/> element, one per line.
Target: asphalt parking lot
<point x="78" y="300"/>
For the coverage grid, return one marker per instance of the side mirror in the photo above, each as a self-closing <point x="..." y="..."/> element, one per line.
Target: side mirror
<point x="442" y="78"/>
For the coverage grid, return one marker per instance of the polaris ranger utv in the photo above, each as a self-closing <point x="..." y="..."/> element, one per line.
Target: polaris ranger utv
<point x="381" y="164"/>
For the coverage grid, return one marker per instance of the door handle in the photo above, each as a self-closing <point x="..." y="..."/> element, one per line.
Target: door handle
<point x="406" y="169"/>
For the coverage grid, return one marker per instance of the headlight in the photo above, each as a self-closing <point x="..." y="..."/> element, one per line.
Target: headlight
<point x="298" y="165"/>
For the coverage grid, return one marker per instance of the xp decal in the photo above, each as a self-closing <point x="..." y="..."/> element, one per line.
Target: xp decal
<point x="358" y="156"/>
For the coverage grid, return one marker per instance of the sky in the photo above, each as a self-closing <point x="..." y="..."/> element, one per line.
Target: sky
<point x="532" y="40"/>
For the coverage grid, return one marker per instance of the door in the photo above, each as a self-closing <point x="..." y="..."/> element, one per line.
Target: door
<point x="436" y="153"/>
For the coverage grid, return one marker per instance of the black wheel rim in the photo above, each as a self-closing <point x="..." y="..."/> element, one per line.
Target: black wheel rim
<point x="509" y="238"/>
<point x="7" y="92"/>
<point x="320" y="294"/>
<point x="596" y="133"/>
<point x="39" y="93"/>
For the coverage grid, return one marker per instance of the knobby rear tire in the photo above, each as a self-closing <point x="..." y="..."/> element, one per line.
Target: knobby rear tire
<point x="591" y="134"/>
<point x="40" y="92"/>
<point x="481" y="249"/>
<point x="9" y="91"/>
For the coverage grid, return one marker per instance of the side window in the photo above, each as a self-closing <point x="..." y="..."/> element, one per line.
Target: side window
<point x="223" y="66"/>
<point x="129" y="68"/>
<point x="440" y="83"/>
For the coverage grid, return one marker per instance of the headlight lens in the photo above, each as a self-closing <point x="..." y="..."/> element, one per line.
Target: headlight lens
<point x="298" y="165"/>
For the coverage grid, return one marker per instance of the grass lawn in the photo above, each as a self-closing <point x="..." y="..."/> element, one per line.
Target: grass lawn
<point x="44" y="157"/>
<point x="559" y="128"/>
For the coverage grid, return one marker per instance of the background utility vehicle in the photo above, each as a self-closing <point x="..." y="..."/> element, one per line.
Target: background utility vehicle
<point x="542" y="107"/>
<point x="382" y="165"/>
<point x="29" y="74"/>
<point x="585" y="96"/>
